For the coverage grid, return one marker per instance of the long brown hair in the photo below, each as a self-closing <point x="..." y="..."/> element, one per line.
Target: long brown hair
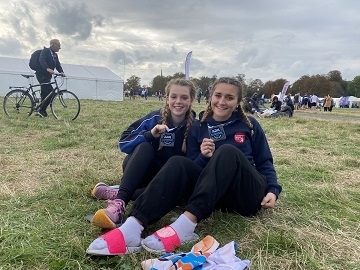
<point x="189" y="116"/>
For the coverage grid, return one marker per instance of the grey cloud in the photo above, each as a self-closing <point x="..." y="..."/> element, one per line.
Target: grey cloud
<point x="144" y="54"/>
<point x="246" y="55"/>
<point x="197" y="65"/>
<point x="261" y="39"/>
<point x="98" y="21"/>
<point x="19" y="15"/>
<point x="10" y="46"/>
<point x="72" y="19"/>
<point x="119" y="56"/>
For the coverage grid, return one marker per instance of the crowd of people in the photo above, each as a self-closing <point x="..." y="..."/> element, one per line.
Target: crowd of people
<point x="288" y="105"/>
<point x="160" y="95"/>
<point x="140" y="93"/>
<point x="313" y="102"/>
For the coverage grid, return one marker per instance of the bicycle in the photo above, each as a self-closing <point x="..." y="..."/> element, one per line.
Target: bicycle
<point x="23" y="101"/>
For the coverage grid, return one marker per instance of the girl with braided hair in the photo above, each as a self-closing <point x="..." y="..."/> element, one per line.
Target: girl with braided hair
<point x="229" y="166"/>
<point x="149" y="142"/>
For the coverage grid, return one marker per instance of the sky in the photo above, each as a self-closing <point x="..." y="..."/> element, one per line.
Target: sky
<point x="263" y="39"/>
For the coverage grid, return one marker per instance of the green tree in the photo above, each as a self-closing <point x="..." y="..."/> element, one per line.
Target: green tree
<point x="273" y="87"/>
<point x="205" y="82"/>
<point x="354" y="87"/>
<point x="336" y="89"/>
<point x="178" y="75"/>
<point x="132" y="82"/>
<point x="159" y="83"/>
<point x="334" y="76"/>
<point x="255" y="86"/>
<point x="338" y="85"/>
<point x="319" y="85"/>
<point x="241" y="78"/>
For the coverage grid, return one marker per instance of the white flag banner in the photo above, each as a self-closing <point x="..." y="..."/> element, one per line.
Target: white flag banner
<point x="283" y="92"/>
<point x="187" y="65"/>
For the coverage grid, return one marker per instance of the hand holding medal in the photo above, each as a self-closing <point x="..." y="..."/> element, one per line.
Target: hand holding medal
<point x="207" y="147"/>
<point x="158" y="130"/>
<point x="166" y="134"/>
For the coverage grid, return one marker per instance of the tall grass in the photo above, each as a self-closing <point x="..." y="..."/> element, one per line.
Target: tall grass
<point x="49" y="167"/>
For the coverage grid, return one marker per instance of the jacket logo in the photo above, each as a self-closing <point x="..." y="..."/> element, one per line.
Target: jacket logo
<point x="239" y="137"/>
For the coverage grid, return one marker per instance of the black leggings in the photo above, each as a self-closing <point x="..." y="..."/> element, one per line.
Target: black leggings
<point x="139" y="168"/>
<point x="228" y="182"/>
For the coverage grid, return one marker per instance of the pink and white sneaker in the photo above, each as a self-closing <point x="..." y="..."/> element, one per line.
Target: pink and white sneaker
<point x="111" y="216"/>
<point x="102" y="191"/>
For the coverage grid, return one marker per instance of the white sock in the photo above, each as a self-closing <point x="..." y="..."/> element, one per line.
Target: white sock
<point x="131" y="229"/>
<point x="184" y="228"/>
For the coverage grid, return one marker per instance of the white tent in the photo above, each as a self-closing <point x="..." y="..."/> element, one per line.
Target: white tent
<point x="87" y="82"/>
<point x="336" y="102"/>
<point x="347" y="101"/>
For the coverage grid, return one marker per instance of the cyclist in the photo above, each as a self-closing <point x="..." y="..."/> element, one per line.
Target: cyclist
<point x="48" y="60"/>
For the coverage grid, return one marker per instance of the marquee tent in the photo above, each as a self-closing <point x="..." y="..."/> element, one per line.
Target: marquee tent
<point x="347" y="102"/>
<point x="87" y="82"/>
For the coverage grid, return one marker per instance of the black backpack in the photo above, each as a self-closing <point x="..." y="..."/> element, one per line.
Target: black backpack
<point x="34" y="62"/>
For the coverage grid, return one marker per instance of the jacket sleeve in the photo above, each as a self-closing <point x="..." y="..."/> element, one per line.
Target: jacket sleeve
<point x="263" y="159"/>
<point x="193" y="145"/>
<point x="138" y="132"/>
<point x="58" y="65"/>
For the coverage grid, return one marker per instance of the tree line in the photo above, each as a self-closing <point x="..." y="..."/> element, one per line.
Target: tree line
<point x="331" y="83"/>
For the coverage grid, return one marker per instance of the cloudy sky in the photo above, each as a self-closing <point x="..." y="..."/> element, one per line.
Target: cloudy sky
<point x="262" y="39"/>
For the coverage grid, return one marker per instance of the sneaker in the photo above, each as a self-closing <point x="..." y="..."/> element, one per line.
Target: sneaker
<point x="111" y="216"/>
<point x="42" y="114"/>
<point x="102" y="191"/>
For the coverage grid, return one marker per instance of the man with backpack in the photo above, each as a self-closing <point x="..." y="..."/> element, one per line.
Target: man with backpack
<point x="48" y="60"/>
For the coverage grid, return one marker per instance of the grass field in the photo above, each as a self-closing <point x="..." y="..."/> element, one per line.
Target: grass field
<point x="49" y="167"/>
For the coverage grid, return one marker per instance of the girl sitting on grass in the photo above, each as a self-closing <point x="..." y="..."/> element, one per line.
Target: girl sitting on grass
<point x="149" y="142"/>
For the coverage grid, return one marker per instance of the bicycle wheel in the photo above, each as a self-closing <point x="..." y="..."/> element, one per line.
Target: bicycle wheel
<point x="65" y="105"/>
<point x="18" y="103"/>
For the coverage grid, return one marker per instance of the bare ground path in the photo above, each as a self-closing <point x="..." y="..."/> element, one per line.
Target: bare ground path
<point x="325" y="115"/>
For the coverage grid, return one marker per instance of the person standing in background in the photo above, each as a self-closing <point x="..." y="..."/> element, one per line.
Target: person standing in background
<point x="314" y="101"/>
<point x="198" y="94"/>
<point x="49" y="61"/>
<point x="297" y="101"/>
<point x="328" y="103"/>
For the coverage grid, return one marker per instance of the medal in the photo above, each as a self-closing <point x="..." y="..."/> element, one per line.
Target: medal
<point x="217" y="133"/>
<point x="167" y="139"/>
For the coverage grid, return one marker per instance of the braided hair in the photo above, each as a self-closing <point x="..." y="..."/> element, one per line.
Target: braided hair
<point x="166" y="113"/>
<point x="208" y="111"/>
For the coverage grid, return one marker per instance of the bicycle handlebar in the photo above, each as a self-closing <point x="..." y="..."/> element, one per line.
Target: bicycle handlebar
<point x="57" y="75"/>
<point x="59" y="84"/>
